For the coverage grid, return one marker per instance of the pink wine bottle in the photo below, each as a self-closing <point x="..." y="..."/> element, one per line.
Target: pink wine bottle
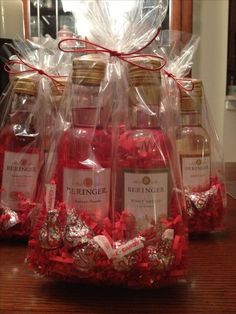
<point x="20" y="148"/>
<point x="83" y="154"/>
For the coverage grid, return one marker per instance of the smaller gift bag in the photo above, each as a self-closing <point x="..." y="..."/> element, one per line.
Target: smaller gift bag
<point x="21" y="159"/>
<point x="24" y="135"/>
<point x="202" y="164"/>
<point x="197" y="142"/>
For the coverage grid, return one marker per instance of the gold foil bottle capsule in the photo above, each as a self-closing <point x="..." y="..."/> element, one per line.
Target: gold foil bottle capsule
<point x="25" y="86"/>
<point x="191" y="100"/>
<point x="147" y="82"/>
<point x="88" y="69"/>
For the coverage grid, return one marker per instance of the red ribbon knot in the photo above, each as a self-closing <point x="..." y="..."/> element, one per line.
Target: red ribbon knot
<point x="41" y="72"/>
<point x="114" y="53"/>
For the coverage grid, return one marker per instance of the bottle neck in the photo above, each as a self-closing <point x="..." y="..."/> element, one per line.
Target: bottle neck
<point x="86" y="110"/>
<point x="191" y="119"/>
<point x="140" y="119"/>
<point x="87" y="117"/>
<point x="21" y="108"/>
<point x="144" y="104"/>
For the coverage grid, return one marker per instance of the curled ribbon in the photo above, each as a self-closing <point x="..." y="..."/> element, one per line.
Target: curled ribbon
<point x="121" y="55"/>
<point x="179" y="80"/>
<point x="8" y="68"/>
<point x="128" y="56"/>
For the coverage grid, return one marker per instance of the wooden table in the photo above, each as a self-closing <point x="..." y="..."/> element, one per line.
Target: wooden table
<point x="209" y="288"/>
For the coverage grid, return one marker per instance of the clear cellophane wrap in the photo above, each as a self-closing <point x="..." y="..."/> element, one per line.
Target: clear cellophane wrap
<point x="199" y="148"/>
<point x="206" y="203"/>
<point x="28" y="116"/>
<point x="114" y="208"/>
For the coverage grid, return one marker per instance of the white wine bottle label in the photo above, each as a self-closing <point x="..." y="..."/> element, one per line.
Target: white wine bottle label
<point x="87" y="190"/>
<point x="146" y="195"/>
<point x="20" y="174"/>
<point x="196" y="172"/>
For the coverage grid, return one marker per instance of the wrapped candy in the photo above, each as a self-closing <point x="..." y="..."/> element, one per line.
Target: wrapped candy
<point x="9" y="218"/>
<point x="118" y="196"/>
<point x="50" y="235"/>
<point x="76" y="230"/>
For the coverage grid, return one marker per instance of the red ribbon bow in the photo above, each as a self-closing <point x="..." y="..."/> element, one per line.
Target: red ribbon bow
<point x="128" y="56"/>
<point x="179" y="80"/>
<point x="121" y="55"/>
<point x="8" y="68"/>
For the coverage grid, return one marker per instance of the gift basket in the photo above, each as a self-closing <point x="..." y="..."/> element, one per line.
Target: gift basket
<point x="113" y="207"/>
<point x="198" y="146"/>
<point x="25" y="133"/>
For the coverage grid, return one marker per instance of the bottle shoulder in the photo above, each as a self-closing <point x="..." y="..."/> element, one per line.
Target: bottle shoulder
<point x="84" y="147"/>
<point x="193" y="141"/>
<point x="142" y="133"/>
<point x="16" y="136"/>
<point x="83" y="134"/>
<point x="193" y="131"/>
<point x="147" y="148"/>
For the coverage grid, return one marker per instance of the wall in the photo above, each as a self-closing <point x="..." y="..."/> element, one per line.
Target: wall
<point x="11" y="19"/>
<point x="210" y="22"/>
